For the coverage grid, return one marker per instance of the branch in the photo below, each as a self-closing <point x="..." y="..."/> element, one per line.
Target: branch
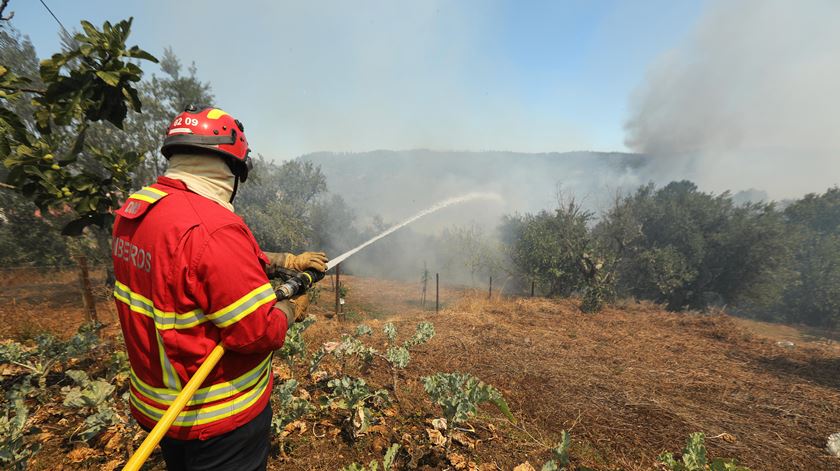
<point x="3" y="6"/>
<point x="24" y="89"/>
<point x="6" y="185"/>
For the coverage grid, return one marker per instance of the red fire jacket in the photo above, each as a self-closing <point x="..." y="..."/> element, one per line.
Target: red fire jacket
<point x="189" y="275"/>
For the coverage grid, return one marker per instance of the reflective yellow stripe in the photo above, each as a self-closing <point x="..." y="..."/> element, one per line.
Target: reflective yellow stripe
<point x="137" y="196"/>
<point x="163" y="320"/>
<point x="206" y="414"/>
<point x="207" y="394"/>
<point x="148" y="194"/>
<point x="243" y="306"/>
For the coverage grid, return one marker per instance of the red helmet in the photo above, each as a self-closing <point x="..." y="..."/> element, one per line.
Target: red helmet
<point x="209" y="129"/>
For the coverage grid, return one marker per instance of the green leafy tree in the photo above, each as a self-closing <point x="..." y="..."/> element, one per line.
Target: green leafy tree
<point x="695" y="249"/>
<point x="53" y="165"/>
<point x="814" y="297"/>
<point x="277" y="205"/>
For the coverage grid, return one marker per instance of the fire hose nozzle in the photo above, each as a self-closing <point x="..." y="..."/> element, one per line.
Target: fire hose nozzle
<point x="298" y="284"/>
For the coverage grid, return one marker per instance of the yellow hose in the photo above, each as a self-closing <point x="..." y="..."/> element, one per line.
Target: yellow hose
<point x="142" y="454"/>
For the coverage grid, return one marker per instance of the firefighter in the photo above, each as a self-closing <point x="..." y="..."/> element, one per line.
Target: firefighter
<point x="190" y="275"/>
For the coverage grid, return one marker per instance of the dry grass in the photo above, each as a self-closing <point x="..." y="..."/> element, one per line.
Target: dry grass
<point x="629" y="382"/>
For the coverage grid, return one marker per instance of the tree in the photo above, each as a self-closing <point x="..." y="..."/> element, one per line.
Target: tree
<point x="696" y="249"/>
<point x="52" y="164"/>
<point x="814" y="297"/>
<point x="277" y="204"/>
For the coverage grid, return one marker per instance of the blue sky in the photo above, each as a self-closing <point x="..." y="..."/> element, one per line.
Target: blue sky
<point x="355" y="76"/>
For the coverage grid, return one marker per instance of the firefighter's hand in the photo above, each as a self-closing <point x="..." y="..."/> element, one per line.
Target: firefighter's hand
<point x="275" y="262"/>
<point x="306" y="260"/>
<point x="301" y="304"/>
<point x="295" y="308"/>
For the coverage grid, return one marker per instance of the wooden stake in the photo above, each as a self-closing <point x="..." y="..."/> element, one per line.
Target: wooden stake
<point x="338" y="291"/>
<point x="490" y="291"/>
<point x="532" y="288"/>
<point x="87" y="291"/>
<point x="437" y="292"/>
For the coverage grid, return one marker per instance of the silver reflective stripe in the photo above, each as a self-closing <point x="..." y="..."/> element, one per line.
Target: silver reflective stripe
<point x="133" y="301"/>
<point x="170" y="377"/>
<point x="148" y="194"/>
<point x="209" y="413"/>
<point x="258" y="299"/>
<point x="208" y="394"/>
<point x="163" y="320"/>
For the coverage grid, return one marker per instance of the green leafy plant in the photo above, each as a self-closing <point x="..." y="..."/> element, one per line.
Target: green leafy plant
<point x="14" y="450"/>
<point x="398" y="356"/>
<point x="387" y="461"/>
<point x="459" y="396"/>
<point x="355" y="396"/>
<point x="294" y="347"/>
<point x="694" y="458"/>
<point x="92" y="399"/>
<point x="48" y="351"/>
<point x="560" y="453"/>
<point x="291" y="408"/>
<point x="349" y="348"/>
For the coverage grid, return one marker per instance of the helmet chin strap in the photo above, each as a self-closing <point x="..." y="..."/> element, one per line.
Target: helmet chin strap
<point x="235" y="187"/>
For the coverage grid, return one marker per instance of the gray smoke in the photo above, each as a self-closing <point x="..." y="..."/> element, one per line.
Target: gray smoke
<point x="750" y="99"/>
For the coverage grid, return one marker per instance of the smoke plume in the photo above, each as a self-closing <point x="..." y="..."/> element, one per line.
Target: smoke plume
<point x="750" y="99"/>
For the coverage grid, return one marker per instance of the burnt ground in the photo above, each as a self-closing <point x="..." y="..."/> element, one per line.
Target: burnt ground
<point x="629" y="382"/>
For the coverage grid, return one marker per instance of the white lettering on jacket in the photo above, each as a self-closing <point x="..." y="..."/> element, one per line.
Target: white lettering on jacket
<point x="128" y="252"/>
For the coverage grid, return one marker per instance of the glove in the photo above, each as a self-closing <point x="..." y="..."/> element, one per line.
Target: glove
<point x="295" y="308"/>
<point x="306" y="260"/>
<point x="301" y="304"/>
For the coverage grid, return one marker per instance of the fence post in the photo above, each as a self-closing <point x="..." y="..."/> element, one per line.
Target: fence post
<point x="490" y="291"/>
<point x="338" y="291"/>
<point x="437" y="292"/>
<point x="532" y="288"/>
<point x="87" y="291"/>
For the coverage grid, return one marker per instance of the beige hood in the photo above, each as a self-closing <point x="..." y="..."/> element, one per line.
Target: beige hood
<point x="206" y="175"/>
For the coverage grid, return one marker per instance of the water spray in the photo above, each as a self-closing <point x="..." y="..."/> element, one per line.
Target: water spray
<point x="300" y="282"/>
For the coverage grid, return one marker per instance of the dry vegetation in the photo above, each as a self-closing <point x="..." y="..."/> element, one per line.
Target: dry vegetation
<point x="628" y="383"/>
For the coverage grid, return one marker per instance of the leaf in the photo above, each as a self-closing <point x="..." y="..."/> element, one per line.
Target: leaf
<point x="110" y="78"/>
<point x="390" y="456"/>
<point x="138" y="53"/>
<point x="90" y="30"/>
<point x="435" y="437"/>
<point x="694" y="455"/>
<point x="561" y="451"/>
